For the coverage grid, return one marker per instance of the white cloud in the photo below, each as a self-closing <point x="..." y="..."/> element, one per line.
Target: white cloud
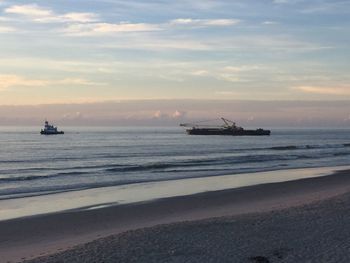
<point x="324" y="90"/>
<point x="203" y="22"/>
<point x="45" y="15"/>
<point x="9" y="81"/>
<point x="107" y="28"/>
<point x="229" y="77"/>
<point x="237" y="69"/>
<point x="158" y="114"/>
<point x="6" y="29"/>
<point x="56" y="65"/>
<point x="175" y="44"/>
<point x="236" y="73"/>
<point x="80" y="17"/>
<point x="177" y="114"/>
<point x="242" y="73"/>
<point x="166" y="115"/>
<point x="93" y="29"/>
<point x="32" y="10"/>
<point x="201" y="73"/>
<point x="79" y="81"/>
<point x="270" y="23"/>
<point x="73" y="116"/>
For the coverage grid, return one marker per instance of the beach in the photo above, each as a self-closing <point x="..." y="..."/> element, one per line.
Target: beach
<point x="303" y="220"/>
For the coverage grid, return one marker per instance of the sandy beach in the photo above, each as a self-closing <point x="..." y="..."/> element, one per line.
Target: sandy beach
<point x="296" y="221"/>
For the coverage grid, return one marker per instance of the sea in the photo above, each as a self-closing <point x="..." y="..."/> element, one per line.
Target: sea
<point x="85" y="158"/>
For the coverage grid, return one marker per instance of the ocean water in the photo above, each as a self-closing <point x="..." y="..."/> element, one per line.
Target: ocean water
<point x="83" y="158"/>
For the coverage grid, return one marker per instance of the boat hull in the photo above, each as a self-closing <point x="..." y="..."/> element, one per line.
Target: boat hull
<point x="258" y="132"/>
<point x="51" y="133"/>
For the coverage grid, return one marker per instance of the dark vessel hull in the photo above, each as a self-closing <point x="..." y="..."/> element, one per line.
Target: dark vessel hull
<point x="202" y="131"/>
<point x="51" y="133"/>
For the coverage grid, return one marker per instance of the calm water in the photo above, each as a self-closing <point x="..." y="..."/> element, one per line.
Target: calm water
<point x="88" y="157"/>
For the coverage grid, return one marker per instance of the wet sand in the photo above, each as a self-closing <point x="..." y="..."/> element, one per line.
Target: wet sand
<point x="275" y="222"/>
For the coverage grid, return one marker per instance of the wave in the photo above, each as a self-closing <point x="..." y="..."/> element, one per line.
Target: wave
<point x="27" y="191"/>
<point x="46" y="169"/>
<point x="38" y="177"/>
<point x="210" y="163"/>
<point x="291" y="147"/>
<point x="341" y="154"/>
<point x="173" y="153"/>
<point x="207" y="162"/>
<point x="307" y="146"/>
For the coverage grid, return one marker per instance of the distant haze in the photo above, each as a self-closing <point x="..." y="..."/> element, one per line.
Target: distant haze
<point x="173" y="112"/>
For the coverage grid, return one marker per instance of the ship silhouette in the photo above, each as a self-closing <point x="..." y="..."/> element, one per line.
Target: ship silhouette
<point x="50" y="130"/>
<point x="228" y="128"/>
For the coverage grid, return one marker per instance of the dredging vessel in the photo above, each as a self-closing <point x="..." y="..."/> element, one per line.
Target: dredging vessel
<point x="228" y="128"/>
<point x="50" y="130"/>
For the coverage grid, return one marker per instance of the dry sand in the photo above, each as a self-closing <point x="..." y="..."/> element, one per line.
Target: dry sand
<point x="311" y="233"/>
<point x="298" y="221"/>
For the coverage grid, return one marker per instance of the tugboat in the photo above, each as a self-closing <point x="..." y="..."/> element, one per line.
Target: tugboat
<point x="228" y="128"/>
<point x="50" y="130"/>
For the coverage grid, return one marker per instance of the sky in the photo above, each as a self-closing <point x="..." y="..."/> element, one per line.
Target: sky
<point x="95" y="51"/>
<point x="85" y="51"/>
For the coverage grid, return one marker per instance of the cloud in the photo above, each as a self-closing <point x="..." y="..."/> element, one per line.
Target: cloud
<point x="95" y="29"/>
<point x="57" y="65"/>
<point x="270" y="23"/>
<point x="237" y="69"/>
<point x="157" y="114"/>
<point x="282" y="1"/>
<point x="166" y="115"/>
<point x="7" y="81"/>
<point x="241" y="73"/>
<point x="229" y="77"/>
<point x="218" y="44"/>
<point x="73" y="116"/>
<point x="203" y="22"/>
<point x="328" y="7"/>
<point x="324" y="90"/>
<point x="156" y="43"/>
<point x="107" y="28"/>
<point x="230" y="73"/>
<point x="45" y="15"/>
<point x="201" y="73"/>
<point x="6" y="29"/>
<point x="178" y="114"/>
<point x="31" y="10"/>
<point x="236" y="73"/>
<point x="227" y="93"/>
<point x="79" y="81"/>
<point x="80" y="17"/>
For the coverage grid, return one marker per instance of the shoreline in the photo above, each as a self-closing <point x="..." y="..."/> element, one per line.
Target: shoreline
<point x="31" y="237"/>
<point x="143" y="192"/>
